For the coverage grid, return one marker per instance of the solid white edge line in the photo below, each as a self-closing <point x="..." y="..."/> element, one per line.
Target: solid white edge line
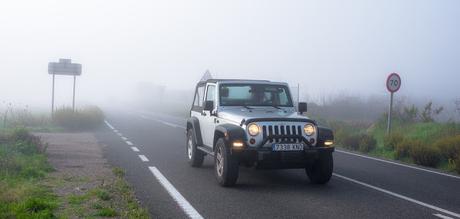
<point x="143" y="158"/>
<point x="129" y="143"/>
<point x="442" y="216"/>
<point x="399" y="164"/>
<point x="399" y="196"/>
<point x="180" y="200"/>
<point x="135" y="149"/>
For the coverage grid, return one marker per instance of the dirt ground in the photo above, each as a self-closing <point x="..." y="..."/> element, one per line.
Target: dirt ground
<point x="83" y="180"/>
<point x="77" y="156"/>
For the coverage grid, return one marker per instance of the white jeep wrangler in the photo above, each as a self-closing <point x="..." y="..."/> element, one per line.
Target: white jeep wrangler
<point x="254" y="123"/>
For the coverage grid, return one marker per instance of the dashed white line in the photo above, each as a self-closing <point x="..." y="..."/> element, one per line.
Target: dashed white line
<point x="135" y="149"/>
<point x="124" y="138"/>
<point x="108" y="124"/>
<point x="164" y="122"/>
<point x="399" y="196"/>
<point x="180" y="200"/>
<point x="116" y="131"/>
<point x="399" y="164"/>
<point x="143" y="158"/>
<point x="119" y="134"/>
<point x="129" y="143"/>
<point x="442" y="216"/>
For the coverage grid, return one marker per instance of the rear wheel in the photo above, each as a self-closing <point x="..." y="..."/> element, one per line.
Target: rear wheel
<point x="225" y="165"/>
<point x="195" y="156"/>
<point x="320" y="171"/>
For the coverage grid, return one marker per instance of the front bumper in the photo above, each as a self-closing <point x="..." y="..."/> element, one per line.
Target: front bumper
<point x="265" y="158"/>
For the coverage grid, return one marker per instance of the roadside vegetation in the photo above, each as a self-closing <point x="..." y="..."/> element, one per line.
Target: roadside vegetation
<point x="416" y="137"/>
<point x="86" y="118"/>
<point x="23" y="166"/>
<point x="28" y="188"/>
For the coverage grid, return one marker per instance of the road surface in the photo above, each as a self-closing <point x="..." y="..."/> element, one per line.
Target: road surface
<point x="151" y="148"/>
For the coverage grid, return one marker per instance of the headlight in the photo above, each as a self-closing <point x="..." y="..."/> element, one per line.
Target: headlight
<point x="253" y="129"/>
<point x="309" y="129"/>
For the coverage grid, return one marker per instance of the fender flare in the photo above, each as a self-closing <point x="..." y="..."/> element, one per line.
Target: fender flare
<point x="194" y="124"/>
<point x="230" y="133"/>
<point x="324" y="134"/>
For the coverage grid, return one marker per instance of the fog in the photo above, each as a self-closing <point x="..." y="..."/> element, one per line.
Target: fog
<point x="329" y="48"/>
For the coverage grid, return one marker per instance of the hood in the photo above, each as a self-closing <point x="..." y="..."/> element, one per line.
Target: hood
<point x="237" y="114"/>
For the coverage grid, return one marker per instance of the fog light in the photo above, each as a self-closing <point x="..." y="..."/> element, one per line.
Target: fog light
<point x="328" y="142"/>
<point x="238" y="144"/>
<point x="252" y="141"/>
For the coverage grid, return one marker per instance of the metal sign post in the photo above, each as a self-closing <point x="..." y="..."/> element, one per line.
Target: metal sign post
<point x="393" y="85"/>
<point x="64" y="67"/>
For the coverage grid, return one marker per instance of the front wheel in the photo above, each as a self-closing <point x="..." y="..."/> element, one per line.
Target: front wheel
<point x="195" y="156"/>
<point x="225" y="165"/>
<point x="320" y="171"/>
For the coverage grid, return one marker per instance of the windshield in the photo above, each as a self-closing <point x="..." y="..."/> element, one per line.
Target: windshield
<point x="254" y="95"/>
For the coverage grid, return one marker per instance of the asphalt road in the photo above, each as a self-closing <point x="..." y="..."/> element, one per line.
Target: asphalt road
<point x="151" y="148"/>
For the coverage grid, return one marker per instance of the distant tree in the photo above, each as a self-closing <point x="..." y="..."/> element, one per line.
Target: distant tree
<point x="428" y="113"/>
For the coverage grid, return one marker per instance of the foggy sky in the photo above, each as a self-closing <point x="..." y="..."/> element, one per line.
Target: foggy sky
<point x="329" y="47"/>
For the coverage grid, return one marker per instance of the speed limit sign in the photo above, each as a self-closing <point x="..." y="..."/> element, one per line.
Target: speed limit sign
<point x="393" y="85"/>
<point x="393" y="82"/>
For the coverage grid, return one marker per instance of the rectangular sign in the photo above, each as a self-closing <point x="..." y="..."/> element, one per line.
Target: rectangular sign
<point x="64" y="68"/>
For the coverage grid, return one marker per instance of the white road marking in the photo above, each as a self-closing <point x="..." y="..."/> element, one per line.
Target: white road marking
<point x="124" y="138"/>
<point x="143" y="158"/>
<point x="399" y="196"/>
<point x="442" y="216"/>
<point x="116" y="131"/>
<point x="180" y="200"/>
<point x="129" y="143"/>
<point x="108" y="124"/>
<point x="135" y="149"/>
<point x="399" y="164"/>
<point x="164" y="122"/>
<point x="119" y="134"/>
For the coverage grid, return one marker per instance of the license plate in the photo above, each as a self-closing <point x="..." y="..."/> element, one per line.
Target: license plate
<point x="287" y="147"/>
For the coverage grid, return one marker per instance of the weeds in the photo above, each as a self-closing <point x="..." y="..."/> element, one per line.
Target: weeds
<point x="82" y="119"/>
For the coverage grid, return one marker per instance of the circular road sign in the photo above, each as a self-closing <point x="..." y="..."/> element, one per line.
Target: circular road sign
<point x="393" y="82"/>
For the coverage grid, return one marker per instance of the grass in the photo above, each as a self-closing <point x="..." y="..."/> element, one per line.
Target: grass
<point x="112" y="199"/>
<point x="23" y="167"/>
<point x="425" y="137"/>
<point x="80" y="119"/>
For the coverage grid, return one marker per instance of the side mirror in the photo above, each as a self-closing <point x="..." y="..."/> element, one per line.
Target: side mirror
<point x="208" y="105"/>
<point x="302" y="107"/>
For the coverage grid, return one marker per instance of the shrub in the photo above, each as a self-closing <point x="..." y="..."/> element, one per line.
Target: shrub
<point x="392" y="140"/>
<point x="425" y="155"/>
<point x="402" y="148"/>
<point x="361" y="142"/>
<point x="351" y="142"/>
<point x="367" y="143"/>
<point x="457" y="165"/>
<point x="449" y="147"/>
<point x="86" y="118"/>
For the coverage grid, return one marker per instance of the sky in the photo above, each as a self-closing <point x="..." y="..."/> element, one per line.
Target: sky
<point x="327" y="47"/>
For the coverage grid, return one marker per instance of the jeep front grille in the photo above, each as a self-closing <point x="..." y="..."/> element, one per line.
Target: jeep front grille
<point x="280" y="133"/>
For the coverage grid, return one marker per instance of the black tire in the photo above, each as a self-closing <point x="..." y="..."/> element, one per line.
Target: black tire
<point x="320" y="171"/>
<point x="195" y="157"/>
<point x="227" y="174"/>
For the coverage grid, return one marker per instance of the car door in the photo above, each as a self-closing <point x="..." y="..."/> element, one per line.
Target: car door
<point x="207" y="123"/>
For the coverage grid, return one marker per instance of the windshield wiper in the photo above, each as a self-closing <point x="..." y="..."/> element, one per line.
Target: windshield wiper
<point x="247" y="107"/>
<point x="277" y="107"/>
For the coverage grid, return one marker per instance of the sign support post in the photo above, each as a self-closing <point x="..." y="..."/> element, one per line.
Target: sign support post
<point x="393" y="85"/>
<point x="389" y="114"/>
<point x="52" y="98"/>
<point x="73" y="99"/>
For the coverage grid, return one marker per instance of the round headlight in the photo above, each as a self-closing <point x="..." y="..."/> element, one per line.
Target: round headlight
<point x="309" y="129"/>
<point x="253" y="129"/>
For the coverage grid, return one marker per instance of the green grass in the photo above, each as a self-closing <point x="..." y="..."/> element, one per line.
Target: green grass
<point x="22" y="169"/>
